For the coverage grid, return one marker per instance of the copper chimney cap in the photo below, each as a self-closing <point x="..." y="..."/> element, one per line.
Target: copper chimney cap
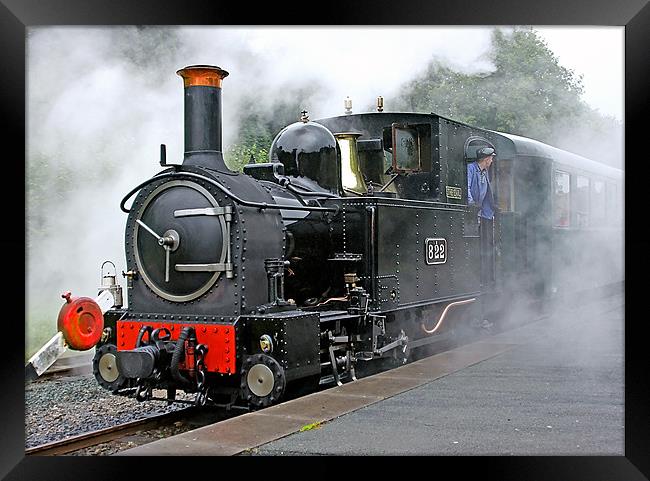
<point x="203" y="75"/>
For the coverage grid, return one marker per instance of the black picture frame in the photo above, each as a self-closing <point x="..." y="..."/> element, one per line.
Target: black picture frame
<point x="16" y="15"/>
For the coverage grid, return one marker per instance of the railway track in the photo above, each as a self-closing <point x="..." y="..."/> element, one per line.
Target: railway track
<point x="190" y="417"/>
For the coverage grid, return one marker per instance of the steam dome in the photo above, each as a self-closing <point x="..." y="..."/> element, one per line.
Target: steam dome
<point x="309" y="153"/>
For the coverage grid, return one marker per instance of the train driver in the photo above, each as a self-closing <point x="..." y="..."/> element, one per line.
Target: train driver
<point x="479" y="193"/>
<point x="478" y="183"/>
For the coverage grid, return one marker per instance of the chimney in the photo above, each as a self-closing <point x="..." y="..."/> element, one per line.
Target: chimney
<point x="203" y="116"/>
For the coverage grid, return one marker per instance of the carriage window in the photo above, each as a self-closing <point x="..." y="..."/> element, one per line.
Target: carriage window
<point x="611" y="206"/>
<point x="561" y="199"/>
<point x="582" y="201"/>
<point x="598" y="202"/>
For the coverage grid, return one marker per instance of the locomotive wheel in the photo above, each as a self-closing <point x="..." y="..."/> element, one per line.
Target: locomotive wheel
<point x="105" y="368"/>
<point x="262" y="380"/>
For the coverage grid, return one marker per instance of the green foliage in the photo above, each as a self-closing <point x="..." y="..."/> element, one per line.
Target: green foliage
<point x="39" y="329"/>
<point x="46" y="184"/>
<point x="254" y="139"/>
<point x="49" y="182"/>
<point x="260" y="122"/>
<point x="240" y="154"/>
<point x="528" y="92"/>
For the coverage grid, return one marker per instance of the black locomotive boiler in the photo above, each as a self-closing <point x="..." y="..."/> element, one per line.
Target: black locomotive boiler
<point x="353" y="244"/>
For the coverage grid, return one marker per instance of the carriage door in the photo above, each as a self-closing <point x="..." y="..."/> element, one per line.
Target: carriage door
<point x="486" y="227"/>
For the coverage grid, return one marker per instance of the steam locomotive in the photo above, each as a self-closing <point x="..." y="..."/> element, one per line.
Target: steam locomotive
<point x="353" y="245"/>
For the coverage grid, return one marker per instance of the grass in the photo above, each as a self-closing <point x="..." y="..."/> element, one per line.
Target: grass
<point x="309" y="427"/>
<point x="38" y="330"/>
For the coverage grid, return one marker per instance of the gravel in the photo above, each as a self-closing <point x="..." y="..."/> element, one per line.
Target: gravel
<point x="64" y="407"/>
<point x="137" y="439"/>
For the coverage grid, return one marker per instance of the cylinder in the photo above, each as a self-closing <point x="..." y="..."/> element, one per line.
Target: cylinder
<point x="202" y="84"/>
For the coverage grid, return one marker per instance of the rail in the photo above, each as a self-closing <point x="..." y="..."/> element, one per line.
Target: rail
<point x="112" y="433"/>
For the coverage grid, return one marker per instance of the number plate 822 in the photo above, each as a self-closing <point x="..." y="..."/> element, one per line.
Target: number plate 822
<point x="435" y="251"/>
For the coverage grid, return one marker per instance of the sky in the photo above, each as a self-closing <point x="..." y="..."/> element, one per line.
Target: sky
<point x="598" y="54"/>
<point x="105" y="98"/>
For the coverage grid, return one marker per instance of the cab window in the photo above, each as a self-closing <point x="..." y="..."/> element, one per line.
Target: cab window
<point x="414" y="171"/>
<point x="406" y="149"/>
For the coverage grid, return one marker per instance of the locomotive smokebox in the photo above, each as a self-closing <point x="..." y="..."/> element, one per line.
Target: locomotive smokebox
<point x="203" y="116"/>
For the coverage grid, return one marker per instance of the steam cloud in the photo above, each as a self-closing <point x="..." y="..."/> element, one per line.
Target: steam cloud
<point x="101" y="100"/>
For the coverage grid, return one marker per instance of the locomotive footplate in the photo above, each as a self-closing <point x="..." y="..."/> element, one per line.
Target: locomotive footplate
<point x="292" y="338"/>
<point x="282" y="351"/>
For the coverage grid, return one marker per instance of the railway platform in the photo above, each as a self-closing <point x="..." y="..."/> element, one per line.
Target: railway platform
<point x="550" y="387"/>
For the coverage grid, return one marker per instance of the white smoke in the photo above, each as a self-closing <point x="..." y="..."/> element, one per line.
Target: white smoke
<point x="101" y="100"/>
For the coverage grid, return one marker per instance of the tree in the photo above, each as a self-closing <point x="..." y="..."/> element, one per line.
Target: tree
<point x="259" y="124"/>
<point x="527" y="93"/>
